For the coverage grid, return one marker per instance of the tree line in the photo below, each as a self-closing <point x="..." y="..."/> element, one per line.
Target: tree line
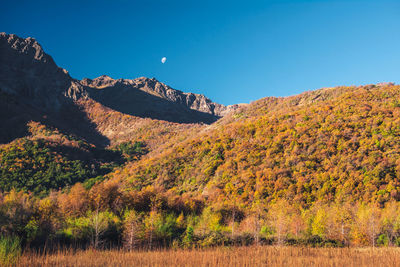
<point x="109" y="215"/>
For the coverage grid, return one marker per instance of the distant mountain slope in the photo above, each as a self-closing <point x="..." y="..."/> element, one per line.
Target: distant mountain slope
<point x="336" y="144"/>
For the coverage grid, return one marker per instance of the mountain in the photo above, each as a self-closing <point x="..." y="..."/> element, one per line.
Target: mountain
<point x="28" y="72"/>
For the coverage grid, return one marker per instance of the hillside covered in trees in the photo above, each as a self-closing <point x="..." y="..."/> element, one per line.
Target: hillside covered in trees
<point x="320" y="168"/>
<point x="339" y="144"/>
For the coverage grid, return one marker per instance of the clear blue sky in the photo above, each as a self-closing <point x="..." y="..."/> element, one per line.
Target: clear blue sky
<point x="230" y="51"/>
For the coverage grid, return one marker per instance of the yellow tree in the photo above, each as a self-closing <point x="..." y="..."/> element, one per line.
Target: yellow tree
<point x="257" y="215"/>
<point x="339" y="222"/>
<point x="232" y="201"/>
<point x="279" y="218"/>
<point x="390" y="221"/>
<point x="132" y="229"/>
<point x="258" y="208"/>
<point x="151" y="220"/>
<point x="367" y="224"/>
<point x="319" y="223"/>
<point x="297" y="223"/>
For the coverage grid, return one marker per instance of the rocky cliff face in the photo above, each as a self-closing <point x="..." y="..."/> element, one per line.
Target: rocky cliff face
<point x="165" y="99"/>
<point x="27" y="72"/>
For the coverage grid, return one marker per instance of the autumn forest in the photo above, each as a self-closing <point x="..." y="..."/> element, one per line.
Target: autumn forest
<point x="317" y="169"/>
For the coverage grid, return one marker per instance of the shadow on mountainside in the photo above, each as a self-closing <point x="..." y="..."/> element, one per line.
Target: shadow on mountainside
<point x="138" y="103"/>
<point x="15" y="114"/>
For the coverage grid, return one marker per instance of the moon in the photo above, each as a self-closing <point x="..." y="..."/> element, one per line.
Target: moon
<point x="163" y="60"/>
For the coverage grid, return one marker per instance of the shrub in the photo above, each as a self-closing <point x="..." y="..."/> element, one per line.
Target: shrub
<point x="131" y="150"/>
<point x="215" y="239"/>
<point x="383" y="240"/>
<point x="10" y="250"/>
<point x="397" y="241"/>
<point x="188" y="238"/>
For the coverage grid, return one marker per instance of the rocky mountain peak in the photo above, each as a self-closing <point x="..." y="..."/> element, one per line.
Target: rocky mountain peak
<point x="100" y="81"/>
<point x="29" y="46"/>
<point x="29" y="73"/>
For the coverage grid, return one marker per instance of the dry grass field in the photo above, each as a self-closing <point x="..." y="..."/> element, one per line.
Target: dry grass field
<point x="239" y="256"/>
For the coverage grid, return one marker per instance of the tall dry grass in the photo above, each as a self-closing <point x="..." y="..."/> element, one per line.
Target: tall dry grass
<point x="238" y="256"/>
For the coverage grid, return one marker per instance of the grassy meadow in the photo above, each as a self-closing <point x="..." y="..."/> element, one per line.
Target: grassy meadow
<point x="222" y="256"/>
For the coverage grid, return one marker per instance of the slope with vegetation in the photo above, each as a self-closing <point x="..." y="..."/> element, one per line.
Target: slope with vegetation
<point x="343" y="148"/>
<point x="48" y="159"/>
<point x="316" y="169"/>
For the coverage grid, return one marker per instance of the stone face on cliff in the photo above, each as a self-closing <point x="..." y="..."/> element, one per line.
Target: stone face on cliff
<point x="28" y="73"/>
<point x="155" y="88"/>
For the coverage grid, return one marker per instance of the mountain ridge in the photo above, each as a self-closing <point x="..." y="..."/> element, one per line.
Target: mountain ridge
<point x="153" y="86"/>
<point x="45" y="84"/>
